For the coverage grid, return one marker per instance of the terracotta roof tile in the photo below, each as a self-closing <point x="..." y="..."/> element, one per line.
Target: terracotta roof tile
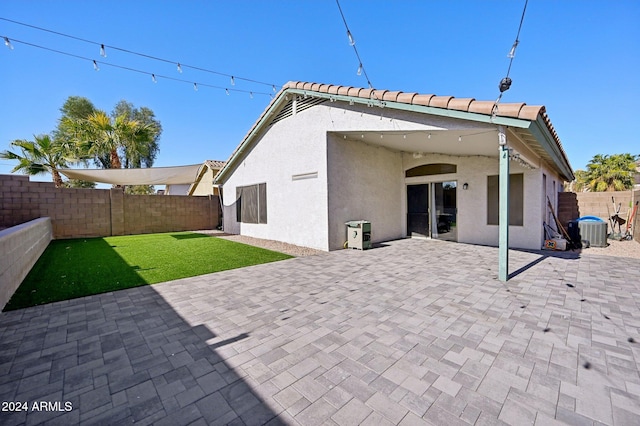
<point x="440" y="101"/>
<point x="344" y="90"/>
<point x="307" y="86"/>
<point x="528" y="112"/>
<point x="333" y="90"/>
<point x="460" y="104"/>
<point x="379" y="94"/>
<point x="315" y="87"/>
<point x="418" y="99"/>
<point x="354" y="91"/>
<point x="391" y="96"/>
<point x="406" y="98"/>
<point x="481" y="107"/>
<point x="366" y="93"/>
<point x="215" y="164"/>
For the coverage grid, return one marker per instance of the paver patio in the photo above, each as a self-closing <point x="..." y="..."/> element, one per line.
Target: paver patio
<point x="413" y="332"/>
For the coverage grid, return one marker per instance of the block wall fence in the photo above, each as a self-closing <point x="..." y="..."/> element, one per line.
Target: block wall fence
<point x="573" y="205"/>
<point x="80" y="212"/>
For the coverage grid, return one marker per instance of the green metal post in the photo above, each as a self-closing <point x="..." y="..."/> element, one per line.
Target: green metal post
<point x="503" y="243"/>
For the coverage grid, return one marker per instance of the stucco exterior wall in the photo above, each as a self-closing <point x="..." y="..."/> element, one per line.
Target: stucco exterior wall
<point x="356" y="180"/>
<point x="296" y="209"/>
<point x="472" y="203"/>
<point x="365" y="183"/>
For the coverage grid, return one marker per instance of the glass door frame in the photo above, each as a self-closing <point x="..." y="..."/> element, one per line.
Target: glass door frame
<point x="433" y="220"/>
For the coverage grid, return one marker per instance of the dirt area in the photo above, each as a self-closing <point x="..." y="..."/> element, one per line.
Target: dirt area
<point x="617" y="249"/>
<point x="278" y="246"/>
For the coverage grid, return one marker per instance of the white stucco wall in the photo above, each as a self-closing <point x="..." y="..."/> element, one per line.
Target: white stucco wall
<point x="365" y="183"/>
<point x="472" y="203"/>
<point x="360" y="181"/>
<point x="296" y="210"/>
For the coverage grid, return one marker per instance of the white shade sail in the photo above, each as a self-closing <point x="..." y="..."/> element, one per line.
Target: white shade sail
<point x="149" y="176"/>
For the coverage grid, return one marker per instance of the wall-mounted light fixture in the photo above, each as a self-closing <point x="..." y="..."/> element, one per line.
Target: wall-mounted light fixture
<point x="465" y="186"/>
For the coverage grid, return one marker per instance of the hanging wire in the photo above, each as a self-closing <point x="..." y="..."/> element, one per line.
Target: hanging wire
<point x="103" y="47"/>
<point x="153" y="76"/>
<point x="352" y="42"/>
<point x="505" y="83"/>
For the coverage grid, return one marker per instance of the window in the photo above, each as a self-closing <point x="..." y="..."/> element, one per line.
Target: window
<point x="431" y="169"/>
<point x="251" y="203"/>
<point x="516" y="204"/>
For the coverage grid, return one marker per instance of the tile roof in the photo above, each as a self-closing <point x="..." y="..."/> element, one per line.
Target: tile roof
<point x="215" y="164"/>
<point x="518" y="110"/>
<point x="470" y="105"/>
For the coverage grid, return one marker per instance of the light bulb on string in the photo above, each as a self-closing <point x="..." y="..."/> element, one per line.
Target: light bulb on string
<point x="153" y="78"/>
<point x="512" y="52"/>
<point x="103" y="52"/>
<point x="195" y="86"/>
<point x="233" y="81"/>
<point x="251" y="95"/>
<point x="7" y="43"/>
<point x="273" y="87"/>
<point x="359" y="72"/>
<point x="459" y="138"/>
<point x="95" y="66"/>
<point x="226" y="91"/>
<point x="352" y="42"/>
<point x="179" y="68"/>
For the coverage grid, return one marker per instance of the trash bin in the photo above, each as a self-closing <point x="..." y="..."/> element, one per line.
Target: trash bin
<point x="359" y="234"/>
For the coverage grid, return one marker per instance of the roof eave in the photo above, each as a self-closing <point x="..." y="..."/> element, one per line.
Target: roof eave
<point x="540" y="131"/>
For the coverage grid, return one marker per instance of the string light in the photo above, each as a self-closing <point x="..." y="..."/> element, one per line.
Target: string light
<point x="103" y="53"/>
<point x="157" y="76"/>
<point x="226" y="91"/>
<point x="195" y="86"/>
<point x="352" y="43"/>
<point x="144" y="55"/>
<point x="153" y="78"/>
<point x="273" y="86"/>
<point x="505" y="83"/>
<point x="7" y="43"/>
<point x="179" y="68"/>
<point x="233" y="81"/>
<point x="251" y="95"/>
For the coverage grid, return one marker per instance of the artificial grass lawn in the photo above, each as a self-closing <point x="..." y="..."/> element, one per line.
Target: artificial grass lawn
<point x="82" y="267"/>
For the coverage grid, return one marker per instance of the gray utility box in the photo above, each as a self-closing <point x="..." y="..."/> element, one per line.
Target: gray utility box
<point x="594" y="232"/>
<point x="359" y="234"/>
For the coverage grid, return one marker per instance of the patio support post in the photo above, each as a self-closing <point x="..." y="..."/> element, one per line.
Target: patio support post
<point x="503" y="242"/>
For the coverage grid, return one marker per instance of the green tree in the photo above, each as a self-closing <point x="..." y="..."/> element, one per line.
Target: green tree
<point x="101" y="135"/>
<point x="146" y="117"/>
<point x="611" y="172"/>
<point x="139" y="189"/>
<point x="78" y="183"/>
<point x="42" y="155"/>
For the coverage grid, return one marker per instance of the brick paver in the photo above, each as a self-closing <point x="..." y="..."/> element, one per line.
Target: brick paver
<point x="412" y="332"/>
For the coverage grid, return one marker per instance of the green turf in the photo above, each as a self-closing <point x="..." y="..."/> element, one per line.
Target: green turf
<point x="82" y="267"/>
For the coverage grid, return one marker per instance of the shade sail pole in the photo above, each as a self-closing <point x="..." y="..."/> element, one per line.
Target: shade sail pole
<point x="503" y="243"/>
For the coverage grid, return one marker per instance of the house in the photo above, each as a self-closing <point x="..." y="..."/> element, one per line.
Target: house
<point x="414" y="165"/>
<point x="203" y="183"/>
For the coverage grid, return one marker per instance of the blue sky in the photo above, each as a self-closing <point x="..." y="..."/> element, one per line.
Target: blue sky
<point x="578" y="58"/>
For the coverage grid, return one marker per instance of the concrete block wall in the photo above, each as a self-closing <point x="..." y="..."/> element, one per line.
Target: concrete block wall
<point x="78" y="213"/>
<point x="20" y="248"/>
<point x="144" y="214"/>
<point x="573" y="205"/>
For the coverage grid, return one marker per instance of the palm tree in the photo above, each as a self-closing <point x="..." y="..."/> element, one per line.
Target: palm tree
<point x="42" y="155"/>
<point x="611" y="172"/>
<point x="103" y="136"/>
